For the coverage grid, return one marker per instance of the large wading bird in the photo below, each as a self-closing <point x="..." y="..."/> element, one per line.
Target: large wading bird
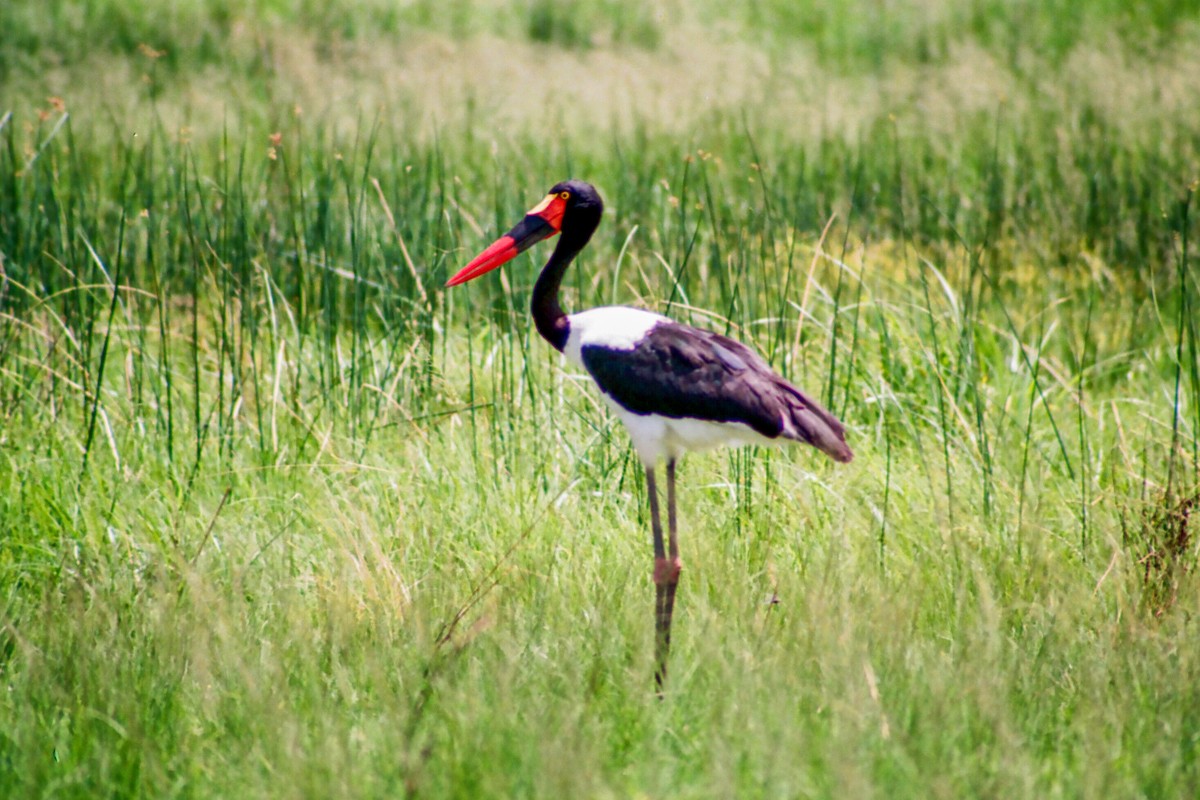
<point x="676" y="388"/>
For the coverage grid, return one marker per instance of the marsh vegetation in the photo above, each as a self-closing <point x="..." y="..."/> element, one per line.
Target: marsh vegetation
<point x="279" y="516"/>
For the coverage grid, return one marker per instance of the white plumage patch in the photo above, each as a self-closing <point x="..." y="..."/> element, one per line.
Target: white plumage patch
<point x="656" y="437"/>
<point x="615" y="327"/>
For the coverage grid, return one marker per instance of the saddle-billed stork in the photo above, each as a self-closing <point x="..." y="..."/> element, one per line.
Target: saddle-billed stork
<point x="676" y="388"/>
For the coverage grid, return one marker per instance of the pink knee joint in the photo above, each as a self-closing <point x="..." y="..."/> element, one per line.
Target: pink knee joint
<point x="666" y="571"/>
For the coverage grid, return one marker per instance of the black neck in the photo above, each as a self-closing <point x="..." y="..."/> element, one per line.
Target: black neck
<point x="548" y="315"/>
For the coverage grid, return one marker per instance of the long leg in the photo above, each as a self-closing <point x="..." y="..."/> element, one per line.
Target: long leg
<point x="666" y="570"/>
<point x="673" y="564"/>
<point x="662" y="619"/>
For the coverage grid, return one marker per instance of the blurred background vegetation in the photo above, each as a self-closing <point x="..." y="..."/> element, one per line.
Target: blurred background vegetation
<point x="858" y="37"/>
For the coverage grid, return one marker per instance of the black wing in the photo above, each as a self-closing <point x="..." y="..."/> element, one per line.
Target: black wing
<point x="679" y="371"/>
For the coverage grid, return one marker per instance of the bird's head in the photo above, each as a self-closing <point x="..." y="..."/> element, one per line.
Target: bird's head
<point x="571" y="207"/>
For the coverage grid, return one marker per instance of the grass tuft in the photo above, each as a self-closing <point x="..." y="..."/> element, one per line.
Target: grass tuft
<point x="1162" y="543"/>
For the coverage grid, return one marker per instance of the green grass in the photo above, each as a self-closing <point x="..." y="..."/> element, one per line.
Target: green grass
<point x="856" y="36"/>
<point x="280" y="516"/>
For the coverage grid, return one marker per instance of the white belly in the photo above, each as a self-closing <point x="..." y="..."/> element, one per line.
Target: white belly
<point x="656" y="438"/>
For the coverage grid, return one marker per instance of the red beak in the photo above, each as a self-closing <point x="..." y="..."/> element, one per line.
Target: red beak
<point x="541" y="222"/>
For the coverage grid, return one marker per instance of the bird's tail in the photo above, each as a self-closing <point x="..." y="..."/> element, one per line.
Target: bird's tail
<point x="809" y="422"/>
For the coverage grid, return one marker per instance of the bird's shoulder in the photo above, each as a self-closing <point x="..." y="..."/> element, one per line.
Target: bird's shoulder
<point x="613" y="326"/>
<point x="663" y="354"/>
<point x="682" y="347"/>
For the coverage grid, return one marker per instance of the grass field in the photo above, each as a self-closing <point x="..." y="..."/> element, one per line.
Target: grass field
<point x="282" y="517"/>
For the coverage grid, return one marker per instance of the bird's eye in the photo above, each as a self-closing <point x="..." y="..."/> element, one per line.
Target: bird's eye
<point x="565" y="195"/>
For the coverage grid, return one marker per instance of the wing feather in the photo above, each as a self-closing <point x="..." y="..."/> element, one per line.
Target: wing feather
<point x="679" y="371"/>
